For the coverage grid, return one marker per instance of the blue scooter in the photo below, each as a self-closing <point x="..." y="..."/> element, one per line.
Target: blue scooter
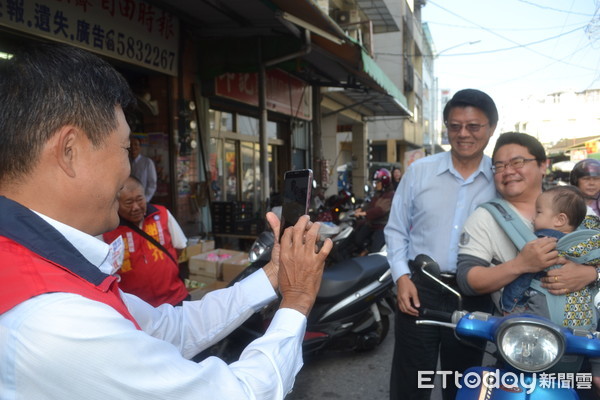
<point x="539" y="359"/>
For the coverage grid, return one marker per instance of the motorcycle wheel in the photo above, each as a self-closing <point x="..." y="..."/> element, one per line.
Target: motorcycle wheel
<point x="385" y="328"/>
<point x="370" y="340"/>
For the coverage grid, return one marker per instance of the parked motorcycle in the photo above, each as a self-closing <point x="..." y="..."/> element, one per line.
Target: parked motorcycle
<point x="352" y="310"/>
<point x="539" y="360"/>
<point x="338" y="233"/>
<point x="335" y="206"/>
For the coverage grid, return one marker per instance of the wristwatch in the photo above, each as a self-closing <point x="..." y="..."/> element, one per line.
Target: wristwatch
<point x="597" y="276"/>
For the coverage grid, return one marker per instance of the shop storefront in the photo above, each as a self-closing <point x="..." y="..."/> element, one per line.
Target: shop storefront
<point x="141" y="41"/>
<point x="235" y="149"/>
<point x="230" y="97"/>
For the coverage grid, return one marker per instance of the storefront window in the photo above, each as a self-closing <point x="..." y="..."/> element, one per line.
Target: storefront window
<point x="250" y="170"/>
<point x="234" y="159"/>
<point x="231" y="171"/>
<point x="223" y="170"/>
<point x="272" y="169"/>
<point x="298" y="159"/>
<point x="221" y="121"/>
<point x="247" y="125"/>
<point x="272" y="130"/>
<point x="300" y="144"/>
<point x="215" y="162"/>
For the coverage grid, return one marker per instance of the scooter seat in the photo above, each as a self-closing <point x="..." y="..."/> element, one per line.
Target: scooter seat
<point x="341" y="279"/>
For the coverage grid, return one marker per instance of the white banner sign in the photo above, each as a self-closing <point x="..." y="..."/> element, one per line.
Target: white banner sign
<point x="129" y="30"/>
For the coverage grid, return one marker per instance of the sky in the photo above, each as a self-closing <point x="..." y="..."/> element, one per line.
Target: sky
<point x="522" y="47"/>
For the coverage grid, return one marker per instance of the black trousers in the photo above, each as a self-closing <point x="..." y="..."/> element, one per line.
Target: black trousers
<point x="372" y="236"/>
<point x="417" y="347"/>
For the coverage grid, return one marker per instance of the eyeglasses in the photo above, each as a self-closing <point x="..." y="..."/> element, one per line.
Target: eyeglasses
<point x="515" y="163"/>
<point x="455" y="128"/>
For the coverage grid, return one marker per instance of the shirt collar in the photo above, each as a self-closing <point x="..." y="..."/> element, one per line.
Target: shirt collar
<point x="485" y="166"/>
<point x="93" y="249"/>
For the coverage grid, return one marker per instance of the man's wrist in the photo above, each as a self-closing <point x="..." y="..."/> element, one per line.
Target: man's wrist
<point x="299" y="301"/>
<point x="272" y="271"/>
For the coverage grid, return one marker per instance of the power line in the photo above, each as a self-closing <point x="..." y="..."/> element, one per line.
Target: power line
<point x="550" y="28"/>
<point x="549" y="65"/>
<point x="554" y="9"/>
<point x="518" y="45"/>
<point x="497" y="50"/>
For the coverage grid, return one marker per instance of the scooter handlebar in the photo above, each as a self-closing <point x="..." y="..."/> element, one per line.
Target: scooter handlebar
<point x="426" y="313"/>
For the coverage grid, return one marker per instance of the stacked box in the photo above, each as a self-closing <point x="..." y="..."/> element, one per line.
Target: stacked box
<point x="201" y="246"/>
<point x="234" y="266"/>
<point x="206" y="267"/>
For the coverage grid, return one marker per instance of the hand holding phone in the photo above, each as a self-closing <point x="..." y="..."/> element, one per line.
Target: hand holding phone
<point x="297" y="186"/>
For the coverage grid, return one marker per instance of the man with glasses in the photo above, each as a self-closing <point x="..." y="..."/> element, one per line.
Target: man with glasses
<point x="434" y="198"/>
<point x="488" y="260"/>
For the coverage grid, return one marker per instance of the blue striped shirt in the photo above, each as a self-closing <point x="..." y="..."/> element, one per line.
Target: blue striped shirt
<point x="429" y="209"/>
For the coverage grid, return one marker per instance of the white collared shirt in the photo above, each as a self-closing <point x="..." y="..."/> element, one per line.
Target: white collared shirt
<point x="144" y="170"/>
<point x="64" y="346"/>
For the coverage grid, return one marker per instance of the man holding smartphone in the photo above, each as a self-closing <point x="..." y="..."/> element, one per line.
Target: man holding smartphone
<point x="434" y="198"/>
<point x="66" y="329"/>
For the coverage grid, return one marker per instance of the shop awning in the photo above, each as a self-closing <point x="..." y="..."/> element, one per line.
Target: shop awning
<point x="230" y="32"/>
<point x="566" y="145"/>
<point x="380" y="15"/>
<point x="362" y="80"/>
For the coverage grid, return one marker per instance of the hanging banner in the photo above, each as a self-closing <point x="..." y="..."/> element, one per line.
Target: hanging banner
<point x="285" y="93"/>
<point x="129" y="30"/>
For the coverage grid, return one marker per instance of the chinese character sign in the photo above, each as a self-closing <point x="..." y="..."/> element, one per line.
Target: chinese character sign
<point x="285" y="93"/>
<point x="129" y="30"/>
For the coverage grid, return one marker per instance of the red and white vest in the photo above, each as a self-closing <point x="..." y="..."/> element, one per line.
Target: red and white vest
<point x="147" y="271"/>
<point x="36" y="259"/>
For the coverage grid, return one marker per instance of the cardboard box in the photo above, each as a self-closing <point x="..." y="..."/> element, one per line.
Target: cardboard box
<point x="209" y="263"/>
<point x="202" y="280"/>
<point x="197" y="294"/>
<point x="218" y="285"/>
<point x="198" y="247"/>
<point x="182" y="256"/>
<point x="201" y="247"/>
<point x="234" y="266"/>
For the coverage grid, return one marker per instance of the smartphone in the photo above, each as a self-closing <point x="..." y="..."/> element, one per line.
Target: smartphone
<point x="297" y="186"/>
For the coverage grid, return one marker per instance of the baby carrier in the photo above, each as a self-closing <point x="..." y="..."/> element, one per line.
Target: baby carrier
<point x="580" y="245"/>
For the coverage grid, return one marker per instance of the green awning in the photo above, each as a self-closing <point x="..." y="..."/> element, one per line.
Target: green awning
<point x="375" y="72"/>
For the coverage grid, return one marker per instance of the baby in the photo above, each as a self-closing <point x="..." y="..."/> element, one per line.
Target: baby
<point x="559" y="211"/>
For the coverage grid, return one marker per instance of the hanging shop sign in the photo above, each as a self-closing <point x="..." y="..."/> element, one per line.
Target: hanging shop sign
<point x="591" y="146"/>
<point x="129" y="30"/>
<point x="285" y="93"/>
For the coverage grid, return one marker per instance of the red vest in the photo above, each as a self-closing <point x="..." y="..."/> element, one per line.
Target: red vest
<point x="24" y="274"/>
<point x="147" y="271"/>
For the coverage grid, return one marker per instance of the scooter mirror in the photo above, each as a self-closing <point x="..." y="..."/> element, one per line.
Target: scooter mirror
<point x="428" y="267"/>
<point x="423" y="261"/>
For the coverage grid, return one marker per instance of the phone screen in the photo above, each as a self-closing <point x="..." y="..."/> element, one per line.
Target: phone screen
<point x="296" y="197"/>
